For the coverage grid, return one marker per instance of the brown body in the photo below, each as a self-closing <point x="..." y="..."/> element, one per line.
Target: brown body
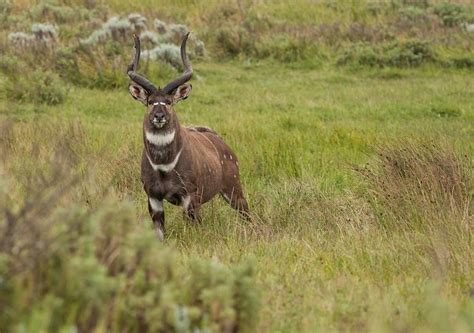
<point x="185" y="166"/>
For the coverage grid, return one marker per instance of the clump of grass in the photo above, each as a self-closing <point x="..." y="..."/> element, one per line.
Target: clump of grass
<point x="303" y="200"/>
<point x="460" y="61"/>
<point x="415" y="184"/>
<point x="444" y="111"/>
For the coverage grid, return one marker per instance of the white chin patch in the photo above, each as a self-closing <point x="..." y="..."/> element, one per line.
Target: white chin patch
<point x="159" y="125"/>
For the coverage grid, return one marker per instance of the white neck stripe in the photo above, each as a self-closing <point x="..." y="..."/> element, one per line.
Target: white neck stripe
<point x="160" y="139"/>
<point x="164" y="167"/>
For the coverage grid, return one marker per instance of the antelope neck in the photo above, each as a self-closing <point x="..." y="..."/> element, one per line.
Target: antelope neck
<point x="160" y="139"/>
<point x="163" y="148"/>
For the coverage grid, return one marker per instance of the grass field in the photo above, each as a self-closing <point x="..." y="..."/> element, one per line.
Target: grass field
<point x="359" y="180"/>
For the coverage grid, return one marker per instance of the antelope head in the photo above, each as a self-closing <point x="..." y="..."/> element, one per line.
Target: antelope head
<point x="160" y="101"/>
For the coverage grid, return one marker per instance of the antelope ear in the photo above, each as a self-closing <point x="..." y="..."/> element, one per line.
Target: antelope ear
<point x="182" y="92"/>
<point x="138" y="93"/>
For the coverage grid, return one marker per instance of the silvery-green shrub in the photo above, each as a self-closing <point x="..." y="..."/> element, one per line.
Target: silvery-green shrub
<point x="44" y="32"/>
<point x="21" y="39"/>
<point x="169" y="53"/>
<point x="160" y="26"/>
<point x="137" y="21"/>
<point x="150" y="37"/>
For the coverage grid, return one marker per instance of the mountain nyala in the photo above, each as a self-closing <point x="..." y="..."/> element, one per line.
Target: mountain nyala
<point x="185" y="166"/>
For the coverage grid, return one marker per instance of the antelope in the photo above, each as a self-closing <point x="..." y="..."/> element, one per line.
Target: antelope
<point x="185" y="166"/>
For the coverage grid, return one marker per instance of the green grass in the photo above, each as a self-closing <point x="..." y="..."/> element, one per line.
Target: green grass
<point x="323" y="260"/>
<point x="353" y="122"/>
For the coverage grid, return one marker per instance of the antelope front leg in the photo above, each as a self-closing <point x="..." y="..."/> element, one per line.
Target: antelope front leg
<point x="191" y="205"/>
<point x="157" y="213"/>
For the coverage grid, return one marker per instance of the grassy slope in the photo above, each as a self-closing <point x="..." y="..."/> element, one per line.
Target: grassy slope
<point x="321" y="263"/>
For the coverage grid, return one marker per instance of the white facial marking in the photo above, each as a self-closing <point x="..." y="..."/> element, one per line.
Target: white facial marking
<point x="160" y="139"/>
<point x="186" y="200"/>
<point x="156" y="205"/>
<point x="164" y="167"/>
<point x="159" y="103"/>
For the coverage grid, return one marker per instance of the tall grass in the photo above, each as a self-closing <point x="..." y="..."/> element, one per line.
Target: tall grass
<point x="424" y="183"/>
<point x="332" y="249"/>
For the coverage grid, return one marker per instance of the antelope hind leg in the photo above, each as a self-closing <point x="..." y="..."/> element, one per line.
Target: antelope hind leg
<point x="234" y="196"/>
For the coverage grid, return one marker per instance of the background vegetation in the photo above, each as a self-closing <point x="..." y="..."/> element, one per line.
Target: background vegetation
<point x="353" y="121"/>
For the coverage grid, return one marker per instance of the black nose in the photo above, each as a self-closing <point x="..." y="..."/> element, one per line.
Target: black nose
<point x="159" y="116"/>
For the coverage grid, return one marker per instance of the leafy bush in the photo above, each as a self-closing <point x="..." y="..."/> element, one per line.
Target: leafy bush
<point x="5" y="13"/>
<point x="39" y="87"/>
<point x="411" y="13"/>
<point x="50" y="11"/>
<point x="453" y="14"/>
<point x="397" y="54"/>
<point x="409" y="54"/>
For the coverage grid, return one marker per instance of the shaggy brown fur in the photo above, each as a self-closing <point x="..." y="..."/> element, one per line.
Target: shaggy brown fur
<point x="186" y="166"/>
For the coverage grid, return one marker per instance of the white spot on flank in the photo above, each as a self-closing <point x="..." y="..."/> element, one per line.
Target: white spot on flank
<point x="230" y="156"/>
<point x="164" y="167"/>
<point x="235" y="176"/>
<point x="225" y="157"/>
<point x="186" y="200"/>
<point x="160" y="139"/>
<point x="156" y="205"/>
<point x="222" y="162"/>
